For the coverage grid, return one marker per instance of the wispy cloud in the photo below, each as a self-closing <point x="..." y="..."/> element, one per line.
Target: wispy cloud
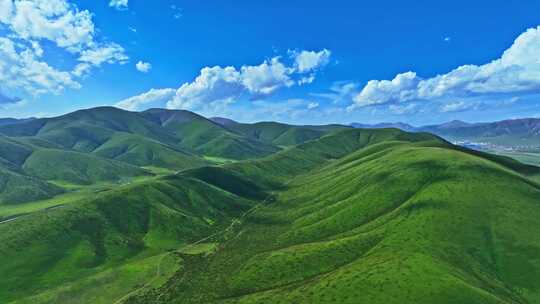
<point x="157" y="97"/>
<point x="119" y="4"/>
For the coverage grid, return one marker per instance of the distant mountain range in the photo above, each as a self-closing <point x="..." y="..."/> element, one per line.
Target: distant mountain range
<point x="520" y="133"/>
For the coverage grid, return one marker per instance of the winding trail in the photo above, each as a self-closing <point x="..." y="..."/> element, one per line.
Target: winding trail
<point x="229" y="228"/>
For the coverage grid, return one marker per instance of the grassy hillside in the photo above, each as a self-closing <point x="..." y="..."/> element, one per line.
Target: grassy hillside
<point x="112" y="240"/>
<point x="282" y="134"/>
<point x="17" y="187"/>
<point x="206" y="137"/>
<point x="141" y="151"/>
<point x="346" y="216"/>
<point x="75" y="167"/>
<point x="401" y="220"/>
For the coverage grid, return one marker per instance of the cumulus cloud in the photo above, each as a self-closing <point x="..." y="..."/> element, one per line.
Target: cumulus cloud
<point x="153" y="96"/>
<point x="220" y="85"/>
<point x="266" y="78"/>
<point x="212" y="84"/>
<point x="308" y="61"/>
<point x="28" y="23"/>
<point x="143" y="67"/>
<point x="516" y="71"/>
<point x="21" y="69"/>
<point x="119" y="4"/>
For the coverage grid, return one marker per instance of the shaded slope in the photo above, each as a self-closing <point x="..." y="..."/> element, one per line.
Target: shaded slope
<point x="17" y="187"/>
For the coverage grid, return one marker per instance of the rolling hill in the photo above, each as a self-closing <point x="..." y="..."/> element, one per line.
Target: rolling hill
<point x="106" y="144"/>
<point x="395" y="219"/>
<point x="369" y="216"/>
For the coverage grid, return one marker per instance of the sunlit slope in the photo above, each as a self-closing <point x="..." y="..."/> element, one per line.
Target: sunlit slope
<point x="282" y="134"/>
<point x="206" y="137"/>
<point x="396" y="221"/>
<point x="110" y="133"/>
<point x="141" y="151"/>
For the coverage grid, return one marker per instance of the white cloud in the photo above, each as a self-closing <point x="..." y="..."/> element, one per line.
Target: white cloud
<point x="516" y="71"/>
<point x="405" y="109"/>
<point x="226" y="85"/>
<point x="153" y="96"/>
<point x="28" y="24"/>
<point x="312" y="105"/>
<point x="308" y="61"/>
<point x="119" y="4"/>
<point x="213" y="84"/>
<point x="177" y="12"/>
<point x="108" y="53"/>
<point x="21" y="70"/>
<point x="456" y="106"/>
<point x="340" y="91"/>
<point x="266" y="78"/>
<point x="143" y="67"/>
<point x="54" y="20"/>
<point x="402" y="88"/>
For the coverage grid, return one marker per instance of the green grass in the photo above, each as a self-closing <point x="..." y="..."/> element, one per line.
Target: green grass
<point x="354" y="216"/>
<point x="99" y="232"/>
<point x="113" y="283"/>
<point x="77" y="167"/>
<point x="392" y="222"/>
<point x="524" y="157"/>
<point x="203" y="248"/>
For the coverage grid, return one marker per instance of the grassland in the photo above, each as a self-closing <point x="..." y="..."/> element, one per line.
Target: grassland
<point x="393" y="222"/>
<point x="336" y="215"/>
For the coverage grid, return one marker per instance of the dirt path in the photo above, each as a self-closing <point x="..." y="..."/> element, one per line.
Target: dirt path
<point x="10" y="220"/>
<point x="229" y="228"/>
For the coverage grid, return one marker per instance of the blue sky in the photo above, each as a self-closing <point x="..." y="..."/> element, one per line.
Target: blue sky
<point x="338" y="61"/>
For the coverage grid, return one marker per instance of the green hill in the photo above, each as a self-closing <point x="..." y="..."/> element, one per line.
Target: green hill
<point x="342" y="216"/>
<point x="206" y="137"/>
<point x="73" y="253"/>
<point x="17" y="187"/>
<point x="141" y="151"/>
<point x="401" y="220"/>
<point x="282" y="134"/>
<point x="77" y="167"/>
